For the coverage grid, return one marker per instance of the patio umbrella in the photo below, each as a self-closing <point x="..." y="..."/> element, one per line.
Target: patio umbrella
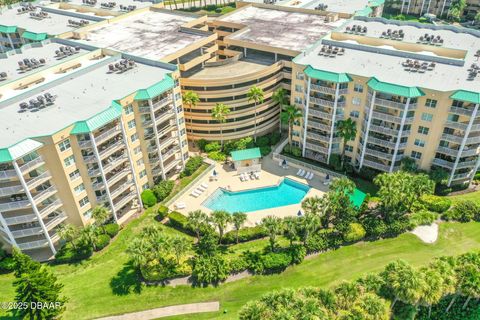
<point x="299" y="213"/>
<point x="214" y="172"/>
<point x="284" y="163"/>
<point x="327" y="177"/>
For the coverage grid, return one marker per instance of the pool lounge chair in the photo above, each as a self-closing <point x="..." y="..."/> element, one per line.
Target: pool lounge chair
<point x="242" y="177"/>
<point x="311" y="176"/>
<point x="256" y="175"/>
<point x="180" y="205"/>
<point x="196" y="193"/>
<point x="298" y="172"/>
<point x="302" y="173"/>
<point x="204" y="185"/>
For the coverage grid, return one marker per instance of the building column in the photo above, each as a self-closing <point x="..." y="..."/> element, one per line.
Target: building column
<point x="421" y="8"/>
<point x="305" y="115"/>
<point x="443" y="7"/>
<point x="245" y="52"/>
<point x="177" y="123"/>
<point x="428" y="7"/>
<point x="130" y="161"/>
<point x="4" y="224"/>
<point x="34" y="206"/>
<point x="11" y="41"/>
<point x="462" y="145"/>
<point x="332" y="127"/>
<point x="408" y="7"/>
<point x="104" y="177"/>
<point x="155" y="131"/>
<point x="399" y="135"/>
<point x="475" y="169"/>
<point x="369" y="121"/>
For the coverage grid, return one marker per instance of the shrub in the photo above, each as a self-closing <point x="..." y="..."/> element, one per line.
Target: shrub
<point x="212" y="146"/>
<point x="442" y="190"/>
<point x="7" y="265"/>
<point x="264" y="151"/>
<point x="179" y="222"/>
<point x="3" y="253"/>
<point x="335" y="162"/>
<point x="111" y="229"/>
<point x="274" y="137"/>
<point x="295" y="151"/>
<point x="191" y="166"/>
<point x="374" y="226"/>
<point x="148" y="198"/>
<point x="355" y="232"/>
<point x="162" y="212"/>
<point x="275" y="262"/>
<point x="209" y="269"/>
<point x="398" y="226"/>
<point x="245" y="234"/>
<point x="201" y="144"/>
<point x="297" y="253"/>
<point x="462" y="211"/>
<point x="237" y="264"/>
<point x="102" y="241"/>
<point x="244" y="143"/>
<point x="263" y="141"/>
<point x="67" y="254"/>
<point x="153" y="271"/>
<point x="422" y="218"/>
<point x="436" y="203"/>
<point x="217" y="156"/>
<point x="323" y="241"/>
<point x="163" y="189"/>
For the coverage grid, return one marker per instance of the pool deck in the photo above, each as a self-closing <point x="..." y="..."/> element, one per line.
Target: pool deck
<point x="271" y="174"/>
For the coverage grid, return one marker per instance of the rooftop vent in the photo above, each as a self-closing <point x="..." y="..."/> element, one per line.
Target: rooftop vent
<point x="3" y="76"/>
<point x="26" y="7"/>
<point x="331" y="51"/>
<point x="127" y="8"/>
<point x="108" y="5"/>
<point x="121" y="66"/>
<point x="473" y="71"/>
<point x="430" y="40"/>
<point x="40" y="102"/>
<point x="80" y="23"/>
<point x="356" y="29"/>
<point x="65" y="51"/>
<point x="39" y="15"/>
<point x="418" y="66"/>
<point x="89" y="2"/>
<point x="393" y="34"/>
<point x="29" y="64"/>
<point x="321" y="7"/>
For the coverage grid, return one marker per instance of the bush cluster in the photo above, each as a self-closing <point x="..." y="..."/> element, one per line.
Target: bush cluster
<point x="191" y="166"/>
<point x="435" y="203"/>
<point x="148" y="198"/>
<point x="162" y="212"/>
<point x="163" y="189"/>
<point x="101" y="242"/>
<point x="463" y="211"/>
<point x="179" y="222"/>
<point x="7" y="264"/>
<point x="422" y="218"/>
<point x="244" y="235"/>
<point x="111" y="229"/>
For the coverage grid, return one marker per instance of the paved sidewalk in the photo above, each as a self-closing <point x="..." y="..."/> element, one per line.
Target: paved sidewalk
<point x="168" y="311"/>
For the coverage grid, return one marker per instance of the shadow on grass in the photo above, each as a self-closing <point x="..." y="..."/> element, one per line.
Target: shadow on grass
<point x="126" y="281"/>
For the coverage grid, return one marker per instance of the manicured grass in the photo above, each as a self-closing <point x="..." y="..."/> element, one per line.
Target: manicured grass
<point x="107" y="285"/>
<point x="408" y="17"/>
<point x="472" y="196"/>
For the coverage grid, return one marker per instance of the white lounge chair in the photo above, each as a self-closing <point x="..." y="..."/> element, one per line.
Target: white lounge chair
<point x="299" y="171"/>
<point x="242" y="178"/>
<point x="302" y="173"/>
<point x="180" y="205"/>
<point x="308" y="175"/>
<point x="256" y="175"/>
<point x="195" y="193"/>
<point x="204" y="185"/>
<point x="311" y="176"/>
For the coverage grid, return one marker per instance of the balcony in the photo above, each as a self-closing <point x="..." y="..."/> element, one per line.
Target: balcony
<point x="324" y="115"/>
<point x="170" y="152"/>
<point x="119" y="190"/>
<point x="29" y="166"/>
<point x="159" y="104"/>
<point x="456" y="125"/>
<point x="452" y="138"/>
<point x="164" y="130"/>
<point x="126" y="199"/>
<point x="50" y="208"/>
<point x="318" y="125"/>
<point x="384" y="143"/>
<point x="90" y="158"/>
<point x="461" y="111"/>
<point x="7" y="191"/>
<point x="45" y="194"/>
<point x="164" y="116"/>
<point x="169" y="166"/>
<point x="473" y="140"/>
<point x="382" y="154"/>
<point x="118" y="176"/>
<point x="448" y="151"/>
<point x="7" y="174"/>
<point x="443" y="163"/>
<point x="35" y="182"/>
<point x="319" y="137"/>
<point x="29" y="232"/>
<point x="166" y="142"/>
<point x="323" y="89"/>
<point x="147" y="123"/>
<point x="33" y="244"/>
<point x="97" y="185"/>
<point x="322" y="102"/>
<point x="376" y="165"/>
<point x="114" y="163"/>
<point x="55" y="221"/>
<point x="14" y="205"/>
<point x="389" y="117"/>
<point x="461" y="176"/>
<point x="93" y="172"/>
<point x="467" y="164"/>
<point x="153" y="160"/>
<point x="117" y="145"/>
<point x="315" y="147"/>
<point x="102" y="198"/>
<point x="103" y="136"/>
<point x="26" y="218"/>
<point x="156" y="172"/>
<point x="469" y="152"/>
<point x="85" y="144"/>
<point x="390" y="104"/>
<point x="152" y="148"/>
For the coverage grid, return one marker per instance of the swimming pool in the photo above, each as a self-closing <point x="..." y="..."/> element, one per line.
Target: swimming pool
<point x="287" y="192"/>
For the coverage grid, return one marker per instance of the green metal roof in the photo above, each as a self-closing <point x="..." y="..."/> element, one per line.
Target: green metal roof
<point x="376" y="3"/>
<point x="8" y="29"/>
<point x="98" y="120"/>
<point x="155" y="90"/>
<point x="365" y="12"/>
<point x="464" y="95"/>
<point x="34" y="36"/>
<point x="19" y="150"/>
<point x="252" y="153"/>
<point x="409" y="92"/>
<point x="327" y="75"/>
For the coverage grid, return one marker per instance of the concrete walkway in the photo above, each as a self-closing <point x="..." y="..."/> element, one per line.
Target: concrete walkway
<point x="168" y="311"/>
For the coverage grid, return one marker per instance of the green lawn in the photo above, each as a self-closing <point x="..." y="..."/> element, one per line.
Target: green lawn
<point x="107" y="285"/>
<point x="472" y="196"/>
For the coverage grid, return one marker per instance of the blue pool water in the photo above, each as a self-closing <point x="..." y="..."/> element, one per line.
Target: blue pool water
<point x="286" y="193"/>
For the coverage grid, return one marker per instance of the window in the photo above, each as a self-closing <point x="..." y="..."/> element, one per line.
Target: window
<point x="134" y="137"/>
<point x="300" y="76"/>
<point x="79" y="188"/>
<point x="178" y="96"/>
<point x="128" y="109"/>
<point x="184" y="143"/>
<point x="140" y="162"/>
<point x="74" y="175"/>
<point x="427" y="117"/>
<point x="356" y="101"/>
<point x="354" y="114"/>
<point x="423" y="130"/>
<point x="145" y="186"/>
<point x="358" y="87"/>
<point x="182" y="132"/>
<point x="143" y="173"/>
<point x="131" y="124"/>
<point x="430" y="103"/>
<point x="416" y="155"/>
<point x="179" y="109"/>
<point x="298" y="88"/>
<point x="181" y="120"/>
<point x="137" y="150"/>
<point x="64" y="145"/>
<point x="83" y="202"/>
<point x="185" y="156"/>
<point x="348" y="148"/>
<point x="87" y="214"/>
<point x="419" y="143"/>
<point x="298" y="100"/>
<point x="68" y="161"/>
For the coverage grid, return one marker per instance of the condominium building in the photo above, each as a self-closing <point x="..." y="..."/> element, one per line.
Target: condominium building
<point x="412" y="91"/>
<point x="77" y="132"/>
<point x="437" y="7"/>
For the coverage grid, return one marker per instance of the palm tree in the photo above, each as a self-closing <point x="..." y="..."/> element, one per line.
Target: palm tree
<point x="309" y="224"/>
<point x="101" y="215"/>
<point x="197" y="220"/>
<point x="180" y="246"/>
<point x="221" y="219"/>
<point x="190" y="99"/>
<point x="280" y="97"/>
<point x="468" y="273"/>
<point x="256" y="94"/>
<point x="219" y="113"/>
<point x="69" y="233"/>
<point x="289" y="115"/>
<point x="89" y="235"/>
<point x="291" y="229"/>
<point x="140" y="250"/>
<point x="433" y="289"/>
<point x="312" y="205"/>
<point x="238" y="219"/>
<point x="347" y="130"/>
<point x="273" y="226"/>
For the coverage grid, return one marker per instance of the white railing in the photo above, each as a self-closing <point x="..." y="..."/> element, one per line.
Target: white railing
<point x="118" y="191"/>
<point x="50" y="208"/>
<point x="452" y="138"/>
<point x="376" y="165"/>
<point x="107" y="134"/>
<point x="111" y="149"/>
<point x="89" y="159"/>
<point x="315" y="147"/>
<point x="85" y="143"/>
<point x="32" y="164"/>
<point x="45" y="194"/>
<point x="21" y="219"/>
<point x="466" y="164"/>
<point x="164" y="116"/>
<point x="112" y="164"/>
<point x="35" y="231"/>
<point x="323" y="89"/>
<point x="321" y="102"/>
<point x="14" y="205"/>
<point x="39" y="179"/>
<point x="171" y="165"/>
<point x="388" y="103"/>
<point x="165" y="142"/>
<point x="7" y="174"/>
<point x="318" y="125"/>
<point x="118" y="176"/>
<point x="451" y="152"/>
<point x="161" y="103"/>
<point x="5" y="191"/>
<point x="129" y="197"/>
<point x="461" y="176"/>
<point x="456" y="125"/>
<point x="33" y="244"/>
<point x="461" y="111"/>
<point x="469" y="152"/>
<point x="305" y="165"/>
<point x="55" y="221"/>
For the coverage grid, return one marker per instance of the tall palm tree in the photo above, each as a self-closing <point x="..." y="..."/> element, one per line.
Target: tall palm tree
<point x="220" y="113"/>
<point x="198" y="221"/>
<point x="309" y="224"/>
<point x="139" y="251"/>
<point x="221" y="219"/>
<point x="291" y="229"/>
<point x="255" y="94"/>
<point x="69" y="233"/>
<point x="238" y="219"/>
<point x="101" y="215"/>
<point x="280" y="97"/>
<point x="190" y="99"/>
<point x="347" y="129"/>
<point x="289" y="115"/>
<point x="180" y="246"/>
<point x="433" y="289"/>
<point x="273" y="226"/>
<point x="89" y="235"/>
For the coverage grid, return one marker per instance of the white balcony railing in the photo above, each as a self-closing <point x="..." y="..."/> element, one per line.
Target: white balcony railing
<point x="108" y="134"/>
<point x="35" y="163"/>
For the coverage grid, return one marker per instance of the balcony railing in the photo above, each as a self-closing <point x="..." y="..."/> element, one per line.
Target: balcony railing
<point x="448" y="151"/>
<point x="7" y="191"/>
<point x="469" y="152"/>
<point x="26" y="218"/>
<point x="170" y="152"/>
<point x="35" y="163"/>
<point x="35" y="231"/>
<point x="39" y="179"/>
<point x="389" y="117"/>
<point x="452" y="138"/>
<point x="382" y="155"/>
<point x="108" y="134"/>
<point x="443" y="163"/>
<point x="118" y="176"/>
<point x="159" y="104"/>
<point x="318" y="125"/>
<point x="126" y="199"/>
<point x="389" y="103"/>
<point x="33" y="244"/>
<point x="466" y="164"/>
<point x="322" y="102"/>
<point x="50" y="208"/>
<point x="376" y="165"/>
<point x="171" y="165"/>
<point x="456" y="125"/>
<point x="14" y="205"/>
<point x="461" y="176"/>
<point x="119" y="190"/>
<point x="461" y="111"/>
<point x="323" y="89"/>
<point x="55" y="221"/>
<point x="97" y="185"/>
<point x="7" y="174"/>
<point x="84" y="144"/>
<point x="166" y="142"/>
<point x="44" y="194"/>
<point x="164" y="116"/>
<point x="114" y="163"/>
<point x="90" y="158"/>
<point x="117" y="145"/>
<point x="315" y="147"/>
<point x="93" y="172"/>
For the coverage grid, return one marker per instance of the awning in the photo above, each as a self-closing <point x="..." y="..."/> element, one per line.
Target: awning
<point x="34" y="36"/>
<point x="327" y="75"/>
<point x="395" y="89"/>
<point x="247" y="154"/>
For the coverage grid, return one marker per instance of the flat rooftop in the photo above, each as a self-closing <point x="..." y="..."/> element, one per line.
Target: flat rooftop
<point x="46" y="51"/>
<point x="79" y="96"/>
<point x="137" y="4"/>
<point x="53" y="24"/>
<point x="281" y="29"/>
<point x="343" y="6"/>
<point x="151" y="34"/>
<point x="385" y="62"/>
<point x="237" y="68"/>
